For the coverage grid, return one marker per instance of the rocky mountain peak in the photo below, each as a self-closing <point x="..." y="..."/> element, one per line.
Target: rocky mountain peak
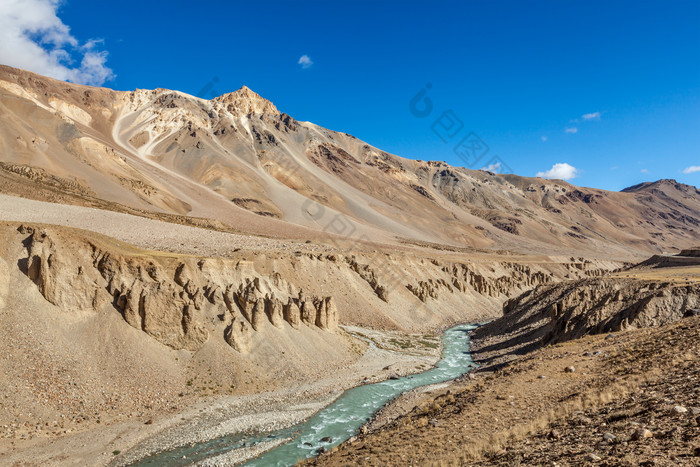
<point x="246" y="101"/>
<point x="659" y="185"/>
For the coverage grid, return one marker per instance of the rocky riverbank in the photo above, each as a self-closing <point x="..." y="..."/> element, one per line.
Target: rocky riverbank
<point x="125" y="442"/>
<point x="622" y="400"/>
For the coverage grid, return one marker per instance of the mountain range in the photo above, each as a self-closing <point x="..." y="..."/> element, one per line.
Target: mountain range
<point x="240" y="164"/>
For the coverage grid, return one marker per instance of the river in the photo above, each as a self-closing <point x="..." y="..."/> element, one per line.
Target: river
<point x="334" y="424"/>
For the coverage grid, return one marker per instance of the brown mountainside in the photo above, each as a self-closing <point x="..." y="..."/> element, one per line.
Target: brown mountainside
<point x="239" y="160"/>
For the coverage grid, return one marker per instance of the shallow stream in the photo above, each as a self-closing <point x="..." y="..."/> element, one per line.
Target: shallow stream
<point x="334" y="424"/>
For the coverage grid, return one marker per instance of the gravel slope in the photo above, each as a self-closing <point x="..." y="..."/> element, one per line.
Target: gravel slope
<point x="142" y="232"/>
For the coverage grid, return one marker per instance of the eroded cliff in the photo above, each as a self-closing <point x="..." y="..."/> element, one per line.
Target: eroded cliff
<point x="170" y="300"/>
<point x="183" y="301"/>
<point x="555" y="313"/>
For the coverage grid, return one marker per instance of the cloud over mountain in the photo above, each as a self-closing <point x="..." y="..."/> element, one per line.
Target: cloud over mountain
<point x="561" y="171"/>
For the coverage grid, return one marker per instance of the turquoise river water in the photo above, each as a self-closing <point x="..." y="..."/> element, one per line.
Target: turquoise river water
<point x="336" y="423"/>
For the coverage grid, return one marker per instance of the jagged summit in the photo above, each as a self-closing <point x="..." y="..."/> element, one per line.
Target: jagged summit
<point x="246" y="101"/>
<point x="665" y="182"/>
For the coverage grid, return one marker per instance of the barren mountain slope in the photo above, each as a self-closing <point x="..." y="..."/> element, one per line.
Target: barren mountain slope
<point x="239" y="160"/>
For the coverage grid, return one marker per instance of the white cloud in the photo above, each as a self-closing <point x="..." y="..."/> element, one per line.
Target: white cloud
<point x="571" y="130"/>
<point x="560" y="170"/>
<point x="691" y="169"/>
<point x="34" y="38"/>
<point x="644" y="171"/>
<point x="544" y="138"/>
<point x="591" y="116"/>
<point x="495" y="167"/>
<point x="305" y="61"/>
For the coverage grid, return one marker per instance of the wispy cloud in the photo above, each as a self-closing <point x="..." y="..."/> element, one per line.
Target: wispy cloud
<point x="305" y="61"/>
<point x="644" y="171"/>
<point x="571" y="130"/>
<point x="560" y="170"/>
<point x="34" y="38"/>
<point x="591" y="116"/>
<point x="544" y="138"/>
<point x="495" y="167"/>
<point x="691" y="169"/>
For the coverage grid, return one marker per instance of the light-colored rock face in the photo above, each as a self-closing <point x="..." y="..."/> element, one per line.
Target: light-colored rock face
<point x="58" y="279"/>
<point x="274" y="312"/>
<point x="238" y="335"/>
<point x="308" y="313"/>
<point x="169" y="304"/>
<point x="89" y="279"/>
<point x="368" y="274"/>
<point x="292" y="314"/>
<point x="245" y="102"/>
<point x="462" y="277"/>
<point x="259" y="318"/>
<point x="327" y="314"/>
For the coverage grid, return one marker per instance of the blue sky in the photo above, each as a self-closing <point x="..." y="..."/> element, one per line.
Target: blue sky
<point x="517" y="75"/>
